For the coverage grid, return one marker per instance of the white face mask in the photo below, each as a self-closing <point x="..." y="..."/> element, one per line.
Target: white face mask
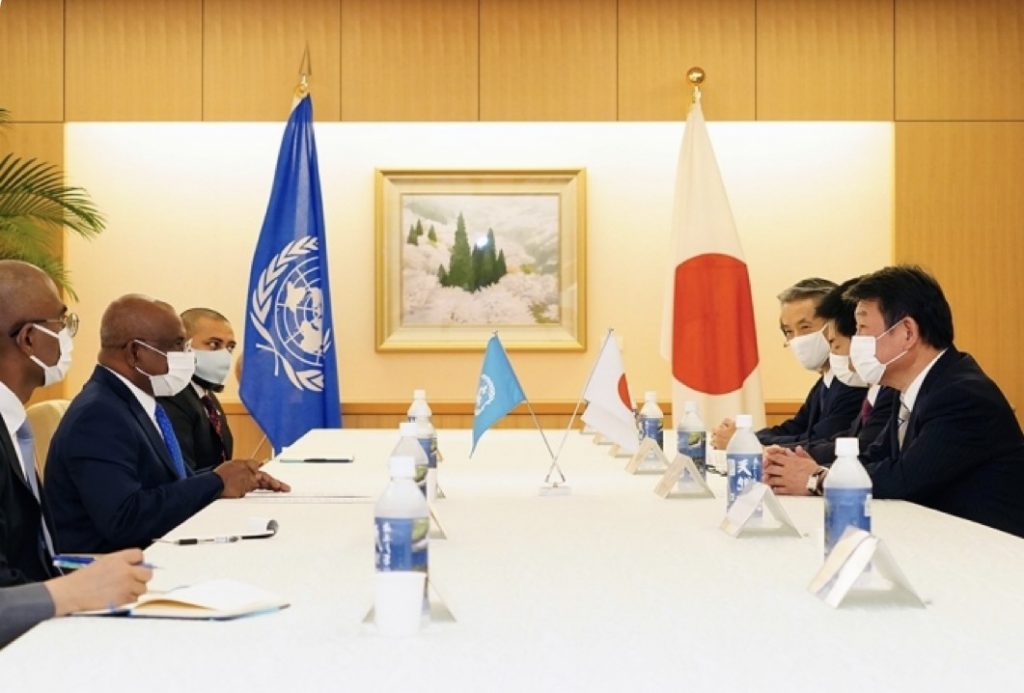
<point x="56" y="372"/>
<point x="864" y="359"/>
<point x="213" y="366"/>
<point x="811" y="350"/>
<point x="181" y="366"/>
<point x="840" y="365"/>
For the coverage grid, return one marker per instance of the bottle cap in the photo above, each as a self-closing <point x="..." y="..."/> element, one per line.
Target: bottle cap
<point x="419" y="394"/>
<point x="744" y="421"/>
<point x="402" y="467"/>
<point x="689" y="406"/>
<point x="847" y="447"/>
<point x="407" y="429"/>
<point x="651" y="396"/>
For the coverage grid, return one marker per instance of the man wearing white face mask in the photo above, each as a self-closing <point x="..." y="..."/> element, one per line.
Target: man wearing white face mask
<point x="116" y="477"/>
<point x="786" y="471"/>
<point x="952" y="442"/>
<point x="197" y="415"/>
<point x="830" y="405"/>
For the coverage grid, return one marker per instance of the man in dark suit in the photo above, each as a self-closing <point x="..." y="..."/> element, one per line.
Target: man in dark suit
<point x="35" y="349"/>
<point x="197" y="415"/>
<point x="952" y="442"/>
<point x="830" y="405"/>
<point x="115" y="476"/>
<point x="783" y="471"/>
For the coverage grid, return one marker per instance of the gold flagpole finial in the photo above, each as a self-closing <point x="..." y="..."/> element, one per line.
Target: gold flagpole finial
<point x="695" y="76"/>
<point x="305" y="72"/>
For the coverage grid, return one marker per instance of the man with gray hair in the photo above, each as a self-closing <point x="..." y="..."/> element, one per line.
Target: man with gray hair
<point x="830" y="405"/>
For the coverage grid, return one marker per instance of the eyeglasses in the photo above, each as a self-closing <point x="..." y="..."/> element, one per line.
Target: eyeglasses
<point x="68" y="321"/>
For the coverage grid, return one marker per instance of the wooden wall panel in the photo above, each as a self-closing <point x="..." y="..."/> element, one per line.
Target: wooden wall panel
<point x="959" y="60"/>
<point x="824" y="60"/>
<point x="252" y="50"/>
<point x="32" y="66"/>
<point x="548" y="60"/>
<point x="659" y="40"/>
<point x="130" y="60"/>
<point x="415" y="60"/>
<point x="960" y="214"/>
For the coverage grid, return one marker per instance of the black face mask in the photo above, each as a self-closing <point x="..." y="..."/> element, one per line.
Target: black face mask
<point x="207" y="385"/>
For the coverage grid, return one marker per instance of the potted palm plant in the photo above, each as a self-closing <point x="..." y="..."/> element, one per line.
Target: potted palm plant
<point x="35" y="205"/>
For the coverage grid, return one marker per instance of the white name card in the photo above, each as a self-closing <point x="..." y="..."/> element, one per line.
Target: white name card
<point x="740" y="517"/>
<point x="694" y="487"/>
<point x="845" y="572"/>
<point x="648" y="447"/>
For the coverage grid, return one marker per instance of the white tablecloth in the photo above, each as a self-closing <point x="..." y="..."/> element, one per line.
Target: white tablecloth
<point x="609" y="588"/>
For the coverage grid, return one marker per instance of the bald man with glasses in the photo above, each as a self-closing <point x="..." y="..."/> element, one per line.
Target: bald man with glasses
<point x="116" y="477"/>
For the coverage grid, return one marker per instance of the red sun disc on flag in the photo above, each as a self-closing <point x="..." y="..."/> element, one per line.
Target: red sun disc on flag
<point x="714" y="347"/>
<point x="624" y="392"/>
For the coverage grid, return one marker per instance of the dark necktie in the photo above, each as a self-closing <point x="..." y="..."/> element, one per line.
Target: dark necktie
<point x="27" y="446"/>
<point x="215" y="420"/>
<point x="170" y="440"/>
<point x="865" y="411"/>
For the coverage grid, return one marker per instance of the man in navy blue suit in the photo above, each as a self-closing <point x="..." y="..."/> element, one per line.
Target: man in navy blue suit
<point x="952" y="442"/>
<point x="830" y="405"/>
<point x="115" y="475"/>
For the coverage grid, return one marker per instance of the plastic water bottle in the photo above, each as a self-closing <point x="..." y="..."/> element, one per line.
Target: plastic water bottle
<point x="652" y="423"/>
<point x="745" y="459"/>
<point x="409" y="444"/>
<point x="691" y="439"/>
<point x="428" y="442"/>
<point x="419" y="406"/>
<point x="847" y="494"/>
<point x="402" y="522"/>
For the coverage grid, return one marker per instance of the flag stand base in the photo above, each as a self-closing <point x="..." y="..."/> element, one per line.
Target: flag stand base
<point x="555" y="490"/>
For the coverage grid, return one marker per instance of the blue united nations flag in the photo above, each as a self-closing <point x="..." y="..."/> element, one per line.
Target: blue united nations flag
<point x="498" y="391"/>
<point x="289" y="369"/>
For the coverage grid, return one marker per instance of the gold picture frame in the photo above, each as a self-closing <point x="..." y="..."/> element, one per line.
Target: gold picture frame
<point x="462" y="253"/>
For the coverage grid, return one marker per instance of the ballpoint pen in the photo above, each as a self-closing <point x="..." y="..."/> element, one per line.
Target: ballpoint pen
<point x="189" y="541"/>
<point x="74" y="562"/>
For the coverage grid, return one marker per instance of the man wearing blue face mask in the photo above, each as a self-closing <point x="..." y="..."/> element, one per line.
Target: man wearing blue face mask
<point x="830" y="405"/>
<point x="196" y="414"/>
<point x="952" y="442"/>
<point x="115" y="476"/>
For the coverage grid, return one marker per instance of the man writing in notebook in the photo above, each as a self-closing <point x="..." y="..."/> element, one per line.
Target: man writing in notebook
<point x="116" y="476"/>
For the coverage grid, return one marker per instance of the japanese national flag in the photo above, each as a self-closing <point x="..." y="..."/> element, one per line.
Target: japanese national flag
<point x="609" y="405"/>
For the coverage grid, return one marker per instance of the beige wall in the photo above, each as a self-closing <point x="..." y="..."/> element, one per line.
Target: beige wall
<point x="185" y="203"/>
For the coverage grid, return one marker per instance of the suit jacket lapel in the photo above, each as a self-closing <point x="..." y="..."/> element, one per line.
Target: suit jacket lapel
<point x="141" y="417"/>
<point x="12" y="457"/>
<point x="934" y="375"/>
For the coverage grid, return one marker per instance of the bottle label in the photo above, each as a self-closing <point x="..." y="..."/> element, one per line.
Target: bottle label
<point x="429" y="446"/>
<point x="692" y="444"/>
<point x="401" y="544"/>
<point x="845" y="507"/>
<point x="651" y="427"/>
<point x="744" y="472"/>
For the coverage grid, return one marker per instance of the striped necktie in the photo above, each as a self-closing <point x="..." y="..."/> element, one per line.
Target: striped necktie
<point x="904" y="417"/>
<point x="27" y="447"/>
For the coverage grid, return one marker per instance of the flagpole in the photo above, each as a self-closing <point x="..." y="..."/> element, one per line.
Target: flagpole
<point x="554" y="461"/>
<point x="695" y="76"/>
<point x="579" y="401"/>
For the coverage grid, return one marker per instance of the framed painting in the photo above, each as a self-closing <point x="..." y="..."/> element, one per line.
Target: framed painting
<point x="461" y="254"/>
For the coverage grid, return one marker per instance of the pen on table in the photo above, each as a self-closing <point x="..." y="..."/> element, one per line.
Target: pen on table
<point x="74" y="562"/>
<point x="189" y="541"/>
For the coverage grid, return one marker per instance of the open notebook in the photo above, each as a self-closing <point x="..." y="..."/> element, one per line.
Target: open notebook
<point x="212" y="600"/>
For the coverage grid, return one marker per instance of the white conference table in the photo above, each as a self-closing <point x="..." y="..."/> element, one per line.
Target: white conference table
<point x="609" y="588"/>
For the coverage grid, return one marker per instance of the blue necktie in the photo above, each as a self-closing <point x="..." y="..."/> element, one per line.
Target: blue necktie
<point x="27" y="446"/>
<point x="167" y="431"/>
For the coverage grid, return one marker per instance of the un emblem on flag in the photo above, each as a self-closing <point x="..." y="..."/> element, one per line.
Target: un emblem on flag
<point x="484" y="393"/>
<point x="288" y="313"/>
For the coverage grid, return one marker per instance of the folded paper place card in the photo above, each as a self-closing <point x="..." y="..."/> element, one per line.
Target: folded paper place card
<point x="747" y="514"/>
<point x="861" y="566"/>
<point x="649" y="457"/>
<point x="436" y="528"/>
<point x="692" y="483"/>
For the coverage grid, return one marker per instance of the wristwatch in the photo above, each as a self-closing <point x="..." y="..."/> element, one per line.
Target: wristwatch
<point x="815" y="480"/>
